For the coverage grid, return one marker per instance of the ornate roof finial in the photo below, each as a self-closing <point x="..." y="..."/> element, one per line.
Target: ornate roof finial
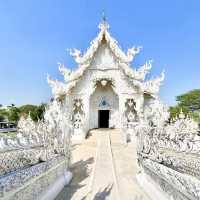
<point x="103" y="17"/>
<point x="104" y="24"/>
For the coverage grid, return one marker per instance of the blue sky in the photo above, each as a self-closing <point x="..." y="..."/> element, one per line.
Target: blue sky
<point x="35" y="34"/>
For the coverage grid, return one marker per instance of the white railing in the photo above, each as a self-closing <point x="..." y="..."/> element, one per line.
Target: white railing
<point x="169" y="153"/>
<point x="46" y="141"/>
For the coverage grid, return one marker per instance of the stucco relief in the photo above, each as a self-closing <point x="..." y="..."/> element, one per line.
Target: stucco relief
<point x="103" y="98"/>
<point x="105" y="65"/>
<point x="103" y="59"/>
<point x="78" y="114"/>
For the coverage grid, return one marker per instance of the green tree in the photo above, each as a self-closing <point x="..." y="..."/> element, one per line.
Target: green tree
<point x="188" y="103"/>
<point x="13" y="114"/>
<point x="190" y="100"/>
<point x="40" y="111"/>
<point x="36" y="112"/>
<point x="3" y="114"/>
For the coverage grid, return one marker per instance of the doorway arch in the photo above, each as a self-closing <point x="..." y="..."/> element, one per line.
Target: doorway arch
<point x="104" y="107"/>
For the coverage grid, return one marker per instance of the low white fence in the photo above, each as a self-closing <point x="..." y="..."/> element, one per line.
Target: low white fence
<point x="170" y="154"/>
<point x="36" y="159"/>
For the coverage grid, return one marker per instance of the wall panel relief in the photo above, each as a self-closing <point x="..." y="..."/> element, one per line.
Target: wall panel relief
<point x="78" y="115"/>
<point x="130" y="113"/>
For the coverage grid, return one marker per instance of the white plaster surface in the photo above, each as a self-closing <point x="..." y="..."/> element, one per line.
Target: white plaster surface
<point x="111" y="98"/>
<point x="150" y="187"/>
<point x="104" y="168"/>
<point x="56" y="187"/>
<point x="105" y="60"/>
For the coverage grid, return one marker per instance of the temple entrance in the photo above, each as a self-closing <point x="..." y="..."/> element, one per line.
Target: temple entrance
<point x="103" y="116"/>
<point x="104" y="107"/>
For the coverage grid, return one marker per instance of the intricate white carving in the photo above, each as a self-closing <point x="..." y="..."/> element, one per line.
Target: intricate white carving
<point x="78" y="114"/>
<point x="58" y="88"/>
<point x="103" y="82"/>
<point x="139" y="74"/>
<point x="156" y="112"/>
<point x="164" y="148"/>
<point x="122" y="61"/>
<point x="67" y="73"/>
<point x="153" y="86"/>
<point x="104" y="103"/>
<point x="78" y="121"/>
<point x="172" y="144"/>
<point x="104" y="34"/>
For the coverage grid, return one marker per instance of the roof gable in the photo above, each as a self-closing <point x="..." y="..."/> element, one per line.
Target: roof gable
<point x="104" y="37"/>
<point x="103" y="58"/>
<point x="109" y="48"/>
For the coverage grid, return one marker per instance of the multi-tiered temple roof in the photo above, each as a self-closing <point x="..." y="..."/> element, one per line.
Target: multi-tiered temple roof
<point x="83" y="60"/>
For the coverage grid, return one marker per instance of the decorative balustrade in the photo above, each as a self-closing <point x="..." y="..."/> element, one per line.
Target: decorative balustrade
<point x="34" y="147"/>
<point x="178" y="136"/>
<point x="169" y="152"/>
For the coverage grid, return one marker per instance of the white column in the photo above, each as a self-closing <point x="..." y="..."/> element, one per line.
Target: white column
<point x="121" y="109"/>
<point x="86" y="112"/>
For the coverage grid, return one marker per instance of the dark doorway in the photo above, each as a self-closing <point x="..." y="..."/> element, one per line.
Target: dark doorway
<point x="103" y="118"/>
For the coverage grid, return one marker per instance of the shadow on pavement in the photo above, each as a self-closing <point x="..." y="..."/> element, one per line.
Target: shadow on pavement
<point x="80" y="172"/>
<point x="103" y="194"/>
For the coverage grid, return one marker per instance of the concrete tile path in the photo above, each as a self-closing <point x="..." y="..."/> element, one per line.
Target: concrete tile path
<point x="103" y="169"/>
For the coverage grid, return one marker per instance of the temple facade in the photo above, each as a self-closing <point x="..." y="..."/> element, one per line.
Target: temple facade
<point x="105" y="91"/>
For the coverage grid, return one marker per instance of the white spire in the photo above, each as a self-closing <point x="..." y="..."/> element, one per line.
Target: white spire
<point x="104" y="24"/>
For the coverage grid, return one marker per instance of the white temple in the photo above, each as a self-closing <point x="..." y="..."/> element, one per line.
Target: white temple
<point x="105" y="91"/>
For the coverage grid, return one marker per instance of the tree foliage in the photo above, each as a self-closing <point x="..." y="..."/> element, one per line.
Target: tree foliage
<point x="3" y="114"/>
<point x="36" y="112"/>
<point x="188" y="103"/>
<point x="190" y="100"/>
<point x="13" y="113"/>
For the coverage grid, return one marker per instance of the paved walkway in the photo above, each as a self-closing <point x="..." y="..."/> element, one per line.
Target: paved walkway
<point x="103" y="169"/>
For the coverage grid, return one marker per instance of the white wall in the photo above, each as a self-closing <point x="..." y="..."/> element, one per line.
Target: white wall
<point x="104" y="65"/>
<point x="104" y="58"/>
